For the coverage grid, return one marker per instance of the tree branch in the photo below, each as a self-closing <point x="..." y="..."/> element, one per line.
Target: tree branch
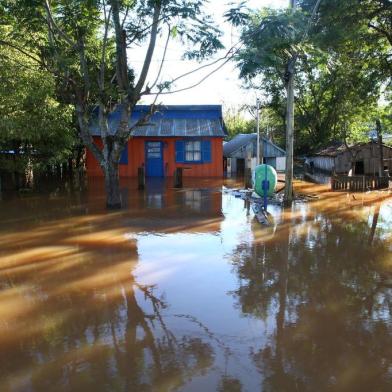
<point x="163" y="59"/>
<point x="195" y="84"/>
<point x="101" y="80"/>
<point x="54" y="24"/>
<point x="27" y="54"/>
<point x="382" y="32"/>
<point x="83" y="66"/>
<point x="150" y="51"/>
<point x="85" y="134"/>
<point x="228" y="56"/>
<point x="36" y="60"/>
<point x="121" y="50"/>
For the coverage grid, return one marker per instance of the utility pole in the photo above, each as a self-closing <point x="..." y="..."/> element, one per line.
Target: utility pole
<point x="258" y="131"/>
<point x="290" y="72"/>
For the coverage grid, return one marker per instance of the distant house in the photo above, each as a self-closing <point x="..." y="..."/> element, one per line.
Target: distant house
<point x="244" y="146"/>
<point x="188" y="136"/>
<point x="364" y="158"/>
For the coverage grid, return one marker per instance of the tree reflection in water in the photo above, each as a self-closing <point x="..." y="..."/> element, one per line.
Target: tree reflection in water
<point x="92" y="327"/>
<point x="77" y="314"/>
<point x="327" y="290"/>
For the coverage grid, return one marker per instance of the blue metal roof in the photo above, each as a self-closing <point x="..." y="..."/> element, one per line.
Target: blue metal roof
<point x="171" y="120"/>
<point x="243" y="139"/>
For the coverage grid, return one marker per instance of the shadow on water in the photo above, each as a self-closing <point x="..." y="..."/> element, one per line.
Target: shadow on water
<point x="184" y="290"/>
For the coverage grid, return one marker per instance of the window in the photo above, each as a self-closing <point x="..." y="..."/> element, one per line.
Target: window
<point x="193" y="151"/>
<point x="154" y="150"/>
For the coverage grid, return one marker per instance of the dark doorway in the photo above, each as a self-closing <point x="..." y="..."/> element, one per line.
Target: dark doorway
<point x="240" y="166"/>
<point x="359" y="168"/>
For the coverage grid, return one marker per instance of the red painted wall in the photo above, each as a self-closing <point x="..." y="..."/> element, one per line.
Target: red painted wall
<point x="136" y="159"/>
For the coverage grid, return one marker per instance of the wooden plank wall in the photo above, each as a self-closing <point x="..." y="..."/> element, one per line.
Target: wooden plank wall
<point x="136" y="158"/>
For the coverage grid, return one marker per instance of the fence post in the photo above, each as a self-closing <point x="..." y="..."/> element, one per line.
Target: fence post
<point x="141" y="178"/>
<point x="248" y="178"/>
<point x="178" y="177"/>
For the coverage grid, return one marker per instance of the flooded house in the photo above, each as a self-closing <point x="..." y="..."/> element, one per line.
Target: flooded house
<point x="243" y="146"/>
<point x="187" y="136"/>
<point x="363" y="158"/>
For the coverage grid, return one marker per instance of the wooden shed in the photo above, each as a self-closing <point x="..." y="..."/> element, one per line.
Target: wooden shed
<point x="187" y="136"/>
<point x="244" y="146"/>
<point x="360" y="158"/>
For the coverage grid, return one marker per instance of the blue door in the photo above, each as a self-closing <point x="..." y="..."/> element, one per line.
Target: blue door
<point x="154" y="159"/>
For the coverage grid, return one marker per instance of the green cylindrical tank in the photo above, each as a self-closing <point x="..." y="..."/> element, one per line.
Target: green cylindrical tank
<point x="265" y="172"/>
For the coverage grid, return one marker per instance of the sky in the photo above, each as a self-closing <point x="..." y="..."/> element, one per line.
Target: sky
<point x="223" y="87"/>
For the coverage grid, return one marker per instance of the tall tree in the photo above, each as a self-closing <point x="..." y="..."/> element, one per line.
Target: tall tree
<point x="289" y="79"/>
<point x="34" y="124"/>
<point x="274" y="40"/>
<point x="336" y="53"/>
<point x="88" y="47"/>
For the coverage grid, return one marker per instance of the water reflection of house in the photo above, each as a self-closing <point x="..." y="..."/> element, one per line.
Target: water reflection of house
<point x="161" y="207"/>
<point x="364" y="158"/>
<point x="191" y="209"/>
<point x="188" y="136"/>
<point x="243" y="146"/>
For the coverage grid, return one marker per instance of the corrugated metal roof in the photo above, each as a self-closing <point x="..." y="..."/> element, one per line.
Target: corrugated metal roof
<point x="335" y="149"/>
<point x="243" y="139"/>
<point x="171" y="120"/>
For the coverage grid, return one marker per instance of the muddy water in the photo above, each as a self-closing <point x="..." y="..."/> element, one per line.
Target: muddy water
<point x="184" y="290"/>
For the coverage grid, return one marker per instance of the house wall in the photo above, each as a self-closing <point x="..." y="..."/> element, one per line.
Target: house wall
<point x="271" y="154"/>
<point x="136" y="159"/>
<point x="280" y="164"/>
<point x="369" y="154"/>
<point x="326" y="164"/>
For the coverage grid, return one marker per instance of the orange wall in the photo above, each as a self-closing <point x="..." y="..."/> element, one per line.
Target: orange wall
<point x="136" y="159"/>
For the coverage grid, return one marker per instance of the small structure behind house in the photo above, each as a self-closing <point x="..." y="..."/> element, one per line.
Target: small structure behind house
<point x="240" y="154"/>
<point x="358" y="159"/>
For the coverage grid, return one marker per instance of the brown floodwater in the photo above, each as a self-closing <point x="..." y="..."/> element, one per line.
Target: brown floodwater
<point x="183" y="290"/>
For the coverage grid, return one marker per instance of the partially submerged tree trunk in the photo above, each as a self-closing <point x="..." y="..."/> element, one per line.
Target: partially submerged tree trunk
<point x="112" y="184"/>
<point x="290" y="73"/>
<point x="381" y="153"/>
<point x="288" y="192"/>
<point x="289" y="79"/>
<point x="108" y="158"/>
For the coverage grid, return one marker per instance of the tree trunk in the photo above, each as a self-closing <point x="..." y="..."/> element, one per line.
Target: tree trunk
<point x="290" y="72"/>
<point x="381" y="153"/>
<point x="288" y="192"/>
<point x="112" y="185"/>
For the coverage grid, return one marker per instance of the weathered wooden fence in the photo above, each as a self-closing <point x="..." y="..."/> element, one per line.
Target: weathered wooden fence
<point x="358" y="183"/>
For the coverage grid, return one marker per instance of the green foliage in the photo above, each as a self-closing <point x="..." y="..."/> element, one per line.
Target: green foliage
<point x="82" y="24"/>
<point x="236" y="123"/>
<point x="33" y="122"/>
<point x="343" y="63"/>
